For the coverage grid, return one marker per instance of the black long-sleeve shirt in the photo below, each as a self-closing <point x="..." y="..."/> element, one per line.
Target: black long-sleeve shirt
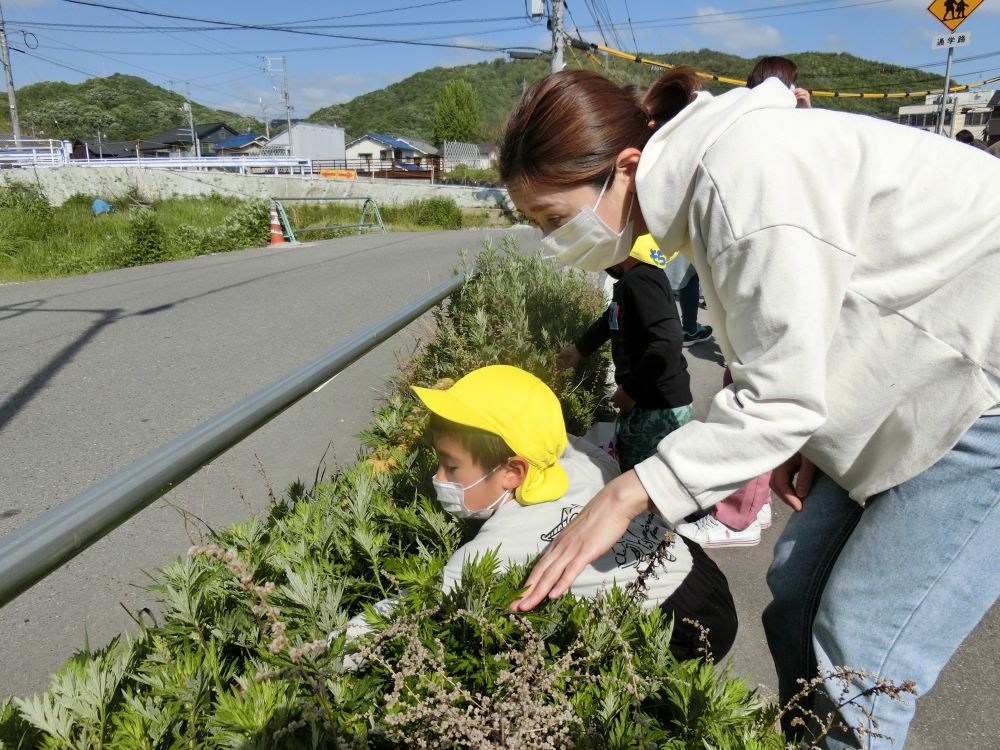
<point x="646" y="339"/>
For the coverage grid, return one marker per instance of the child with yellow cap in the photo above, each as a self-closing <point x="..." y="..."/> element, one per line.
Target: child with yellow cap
<point x="505" y="457"/>
<point x="654" y="390"/>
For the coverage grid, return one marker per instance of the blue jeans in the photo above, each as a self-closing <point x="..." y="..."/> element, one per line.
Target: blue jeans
<point x="893" y="589"/>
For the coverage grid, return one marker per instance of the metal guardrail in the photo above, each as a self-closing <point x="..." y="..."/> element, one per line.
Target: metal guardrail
<point x="235" y="164"/>
<point x="368" y="209"/>
<point x="41" y="546"/>
<point x="37" y="152"/>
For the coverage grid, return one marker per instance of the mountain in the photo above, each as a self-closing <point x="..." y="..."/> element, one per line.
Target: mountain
<point x="128" y="107"/>
<point x="407" y="107"/>
<point x="125" y="107"/>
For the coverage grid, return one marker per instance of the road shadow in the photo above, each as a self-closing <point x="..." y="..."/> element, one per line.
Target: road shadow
<point x="708" y="351"/>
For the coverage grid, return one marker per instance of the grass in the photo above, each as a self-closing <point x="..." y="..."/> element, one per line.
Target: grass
<point x="41" y="241"/>
<point x="403" y="217"/>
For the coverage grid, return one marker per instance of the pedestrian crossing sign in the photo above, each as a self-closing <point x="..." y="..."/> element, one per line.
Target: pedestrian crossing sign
<point x="952" y="12"/>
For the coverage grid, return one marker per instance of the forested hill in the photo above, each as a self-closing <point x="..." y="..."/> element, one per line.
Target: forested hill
<point x="128" y="107"/>
<point x="407" y="107"/>
<point x="125" y="107"/>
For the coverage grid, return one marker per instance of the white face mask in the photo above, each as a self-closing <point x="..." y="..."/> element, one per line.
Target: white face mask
<point x="451" y="495"/>
<point x="587" y="243"/>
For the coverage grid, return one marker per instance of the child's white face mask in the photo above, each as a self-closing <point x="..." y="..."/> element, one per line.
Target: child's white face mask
<point x="587" y="242"/>
<point x="451" y="495"/>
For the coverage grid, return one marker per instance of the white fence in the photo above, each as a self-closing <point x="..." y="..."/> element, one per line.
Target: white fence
<point x="33" y="152"/>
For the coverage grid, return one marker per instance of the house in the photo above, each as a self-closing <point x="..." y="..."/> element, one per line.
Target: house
<point x="972" y="107"/>
<point x="177" y="141"/>
<point x="992" y="135"/>
<point x="309" y="141"/>
<point x="382" y="149"/>
<point x="241" y="145"/>
<point x="101" y="149"/>
<point x="472" y="155"/>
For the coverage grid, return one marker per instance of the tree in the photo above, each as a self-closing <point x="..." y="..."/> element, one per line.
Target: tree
<point x="456" y="113"/>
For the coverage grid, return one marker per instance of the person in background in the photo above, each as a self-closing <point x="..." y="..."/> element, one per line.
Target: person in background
<point x="654" y="389"/>
<point x="785" y="71"/>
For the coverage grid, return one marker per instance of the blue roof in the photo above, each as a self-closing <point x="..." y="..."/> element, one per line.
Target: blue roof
<point x="389" y="141"/>
<point x="238" y="140"/>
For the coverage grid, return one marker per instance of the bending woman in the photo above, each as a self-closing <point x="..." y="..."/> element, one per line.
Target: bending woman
<point x="854" y="293"/>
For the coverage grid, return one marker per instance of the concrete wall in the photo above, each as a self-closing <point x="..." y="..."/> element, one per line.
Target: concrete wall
<point x="59" y="183"/>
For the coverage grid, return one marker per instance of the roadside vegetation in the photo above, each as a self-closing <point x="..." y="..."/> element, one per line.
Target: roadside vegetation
<point x="44" y="241"/>
<point x="249" y="647"/>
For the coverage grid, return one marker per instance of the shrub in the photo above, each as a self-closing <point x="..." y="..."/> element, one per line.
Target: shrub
<point x="442" y="213"/>
<point x="252" y="650"/>
<point x="520" y="311"/>
<point x="144" y="241"/>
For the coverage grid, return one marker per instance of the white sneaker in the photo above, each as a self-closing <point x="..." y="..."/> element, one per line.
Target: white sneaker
<point x="709" y="532"/>
<point x="764" y="516"/>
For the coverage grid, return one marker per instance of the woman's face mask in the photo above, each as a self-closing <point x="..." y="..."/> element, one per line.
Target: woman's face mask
<point x="587" y="242"/>
<point x="451" y="495"/>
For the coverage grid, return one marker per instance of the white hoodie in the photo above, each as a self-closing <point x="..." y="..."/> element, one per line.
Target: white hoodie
<point x="851" y="268"/>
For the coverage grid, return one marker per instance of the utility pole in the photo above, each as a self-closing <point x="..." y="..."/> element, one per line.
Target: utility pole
<point x="556" y="24"/>
<point x="283" y="91"/>
<point x="15" y="123"/>
<point x="263" y="114"/>
<point x="195" y="143"/>
<point x="187" y="108"/>
<point x="944" y="95"/>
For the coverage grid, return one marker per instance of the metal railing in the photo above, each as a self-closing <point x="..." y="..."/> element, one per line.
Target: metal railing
<point x="369" y="211"/>
<point x="35" y="152"/>
<point x="235" y="164"/>
<point x="41" y="546"/>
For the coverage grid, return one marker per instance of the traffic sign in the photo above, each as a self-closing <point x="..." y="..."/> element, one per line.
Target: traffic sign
<point x="951" y="40"/>
<point x="952" y="12"/>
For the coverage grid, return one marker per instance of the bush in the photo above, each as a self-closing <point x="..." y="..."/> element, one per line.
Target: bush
<point x="442" y="213"/>
<point x="252" y="650"/>
<point x="144" y="241"/>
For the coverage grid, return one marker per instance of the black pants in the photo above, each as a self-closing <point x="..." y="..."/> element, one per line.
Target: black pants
<point x="704" y="597"/>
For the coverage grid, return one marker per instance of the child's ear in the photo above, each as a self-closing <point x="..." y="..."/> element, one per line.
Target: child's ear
<point x="515" y="471"/>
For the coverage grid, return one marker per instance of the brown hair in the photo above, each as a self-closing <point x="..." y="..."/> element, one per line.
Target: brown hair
<point x="773" y="67"/>
<point x="568" y="128"/>
<point x="487" y="449"/>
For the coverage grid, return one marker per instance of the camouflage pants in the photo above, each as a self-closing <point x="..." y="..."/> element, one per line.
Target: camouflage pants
<point x="641" y="430"/>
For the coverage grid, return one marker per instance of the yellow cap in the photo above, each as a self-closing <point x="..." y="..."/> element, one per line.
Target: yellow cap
<point x="521" y="409"/>
<point x="645" y="250"/>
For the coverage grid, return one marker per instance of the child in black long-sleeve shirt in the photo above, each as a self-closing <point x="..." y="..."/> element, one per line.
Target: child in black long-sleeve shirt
<point x="654" y="393"/>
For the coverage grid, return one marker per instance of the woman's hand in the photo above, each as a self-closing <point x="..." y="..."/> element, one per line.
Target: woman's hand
<point x="568" y="357"/>
<point x="622" y="400"/>
<point x="799" y="468"/>
<point x="588" y="536"/>
<point x="803" y="99"/>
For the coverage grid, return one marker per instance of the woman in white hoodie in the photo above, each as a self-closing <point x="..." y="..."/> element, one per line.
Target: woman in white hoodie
<point x="851" y="268"/>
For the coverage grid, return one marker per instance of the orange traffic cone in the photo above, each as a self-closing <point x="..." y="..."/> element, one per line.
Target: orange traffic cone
<point x="277" y="236"/>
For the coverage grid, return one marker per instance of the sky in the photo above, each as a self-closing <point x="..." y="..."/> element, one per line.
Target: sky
<point x="334" y="51"/>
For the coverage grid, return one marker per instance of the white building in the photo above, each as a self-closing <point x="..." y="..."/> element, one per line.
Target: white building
<point x="379" y="149"/>
<point x="973" y="112"/>
<point x="310" y="141"/>
<point x="472" y="155"/>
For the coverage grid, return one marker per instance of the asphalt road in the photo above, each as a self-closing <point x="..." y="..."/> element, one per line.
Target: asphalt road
<point x="100" y="369"/>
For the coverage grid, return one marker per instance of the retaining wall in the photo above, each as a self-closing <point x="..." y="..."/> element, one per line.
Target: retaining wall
<point x="59" y="183"/>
